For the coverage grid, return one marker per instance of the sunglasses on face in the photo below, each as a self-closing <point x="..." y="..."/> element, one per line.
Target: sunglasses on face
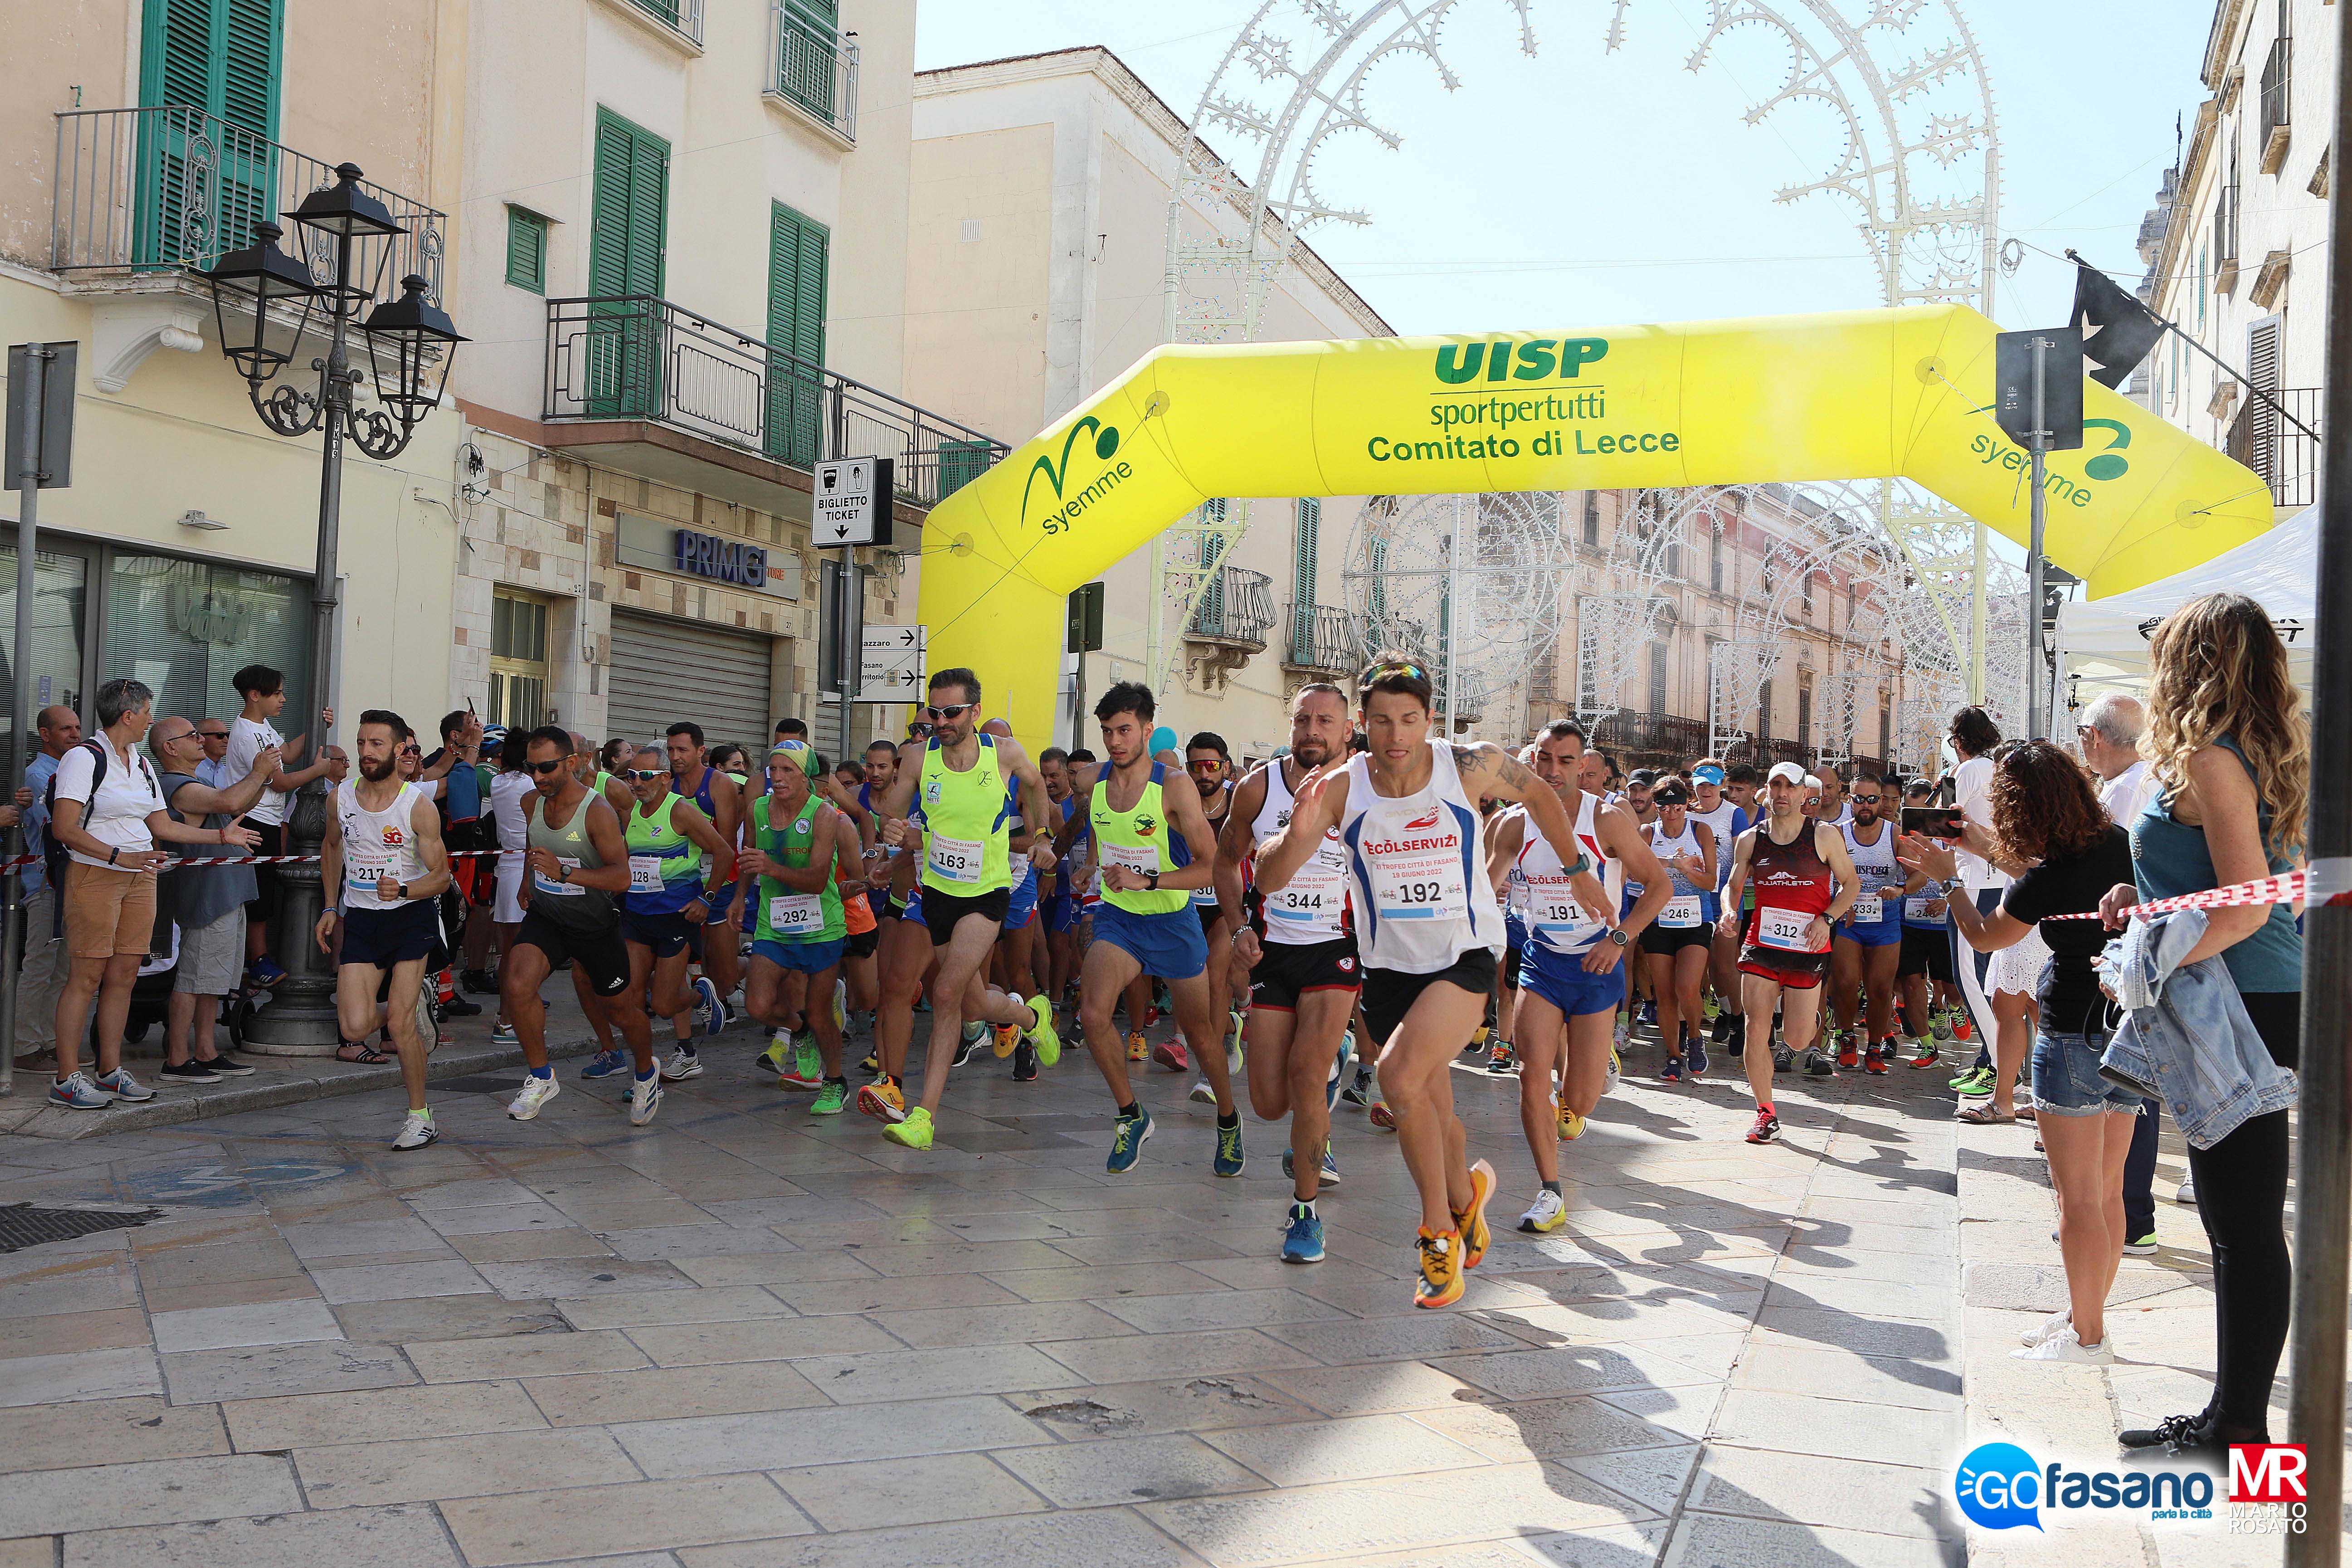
<point x="953" y="711"/>
<point x="646" y="775"/>
<point x="214" y="734"/>
<point x="1865" y="800"/>
<point x="545" y="768"/>
<point x="1206" y="767"/>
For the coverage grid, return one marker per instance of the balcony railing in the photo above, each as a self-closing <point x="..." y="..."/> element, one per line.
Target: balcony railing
<point x="1325" y="639"/>
<point x="683" y="17"/>
<point x="633" y="356"/>
<point x="2286" y="459"/>
<point x="813" y="68"/>
<point x="161" y="190"/>
<point x="1651" y="740"/>
<point x="1238" y="608"/>
<point x="2277" y="105"/>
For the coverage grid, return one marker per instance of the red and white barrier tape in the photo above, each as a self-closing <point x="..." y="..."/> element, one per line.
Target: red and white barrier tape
<point x="2268" y="890"/>
<point x="18" y="862"/>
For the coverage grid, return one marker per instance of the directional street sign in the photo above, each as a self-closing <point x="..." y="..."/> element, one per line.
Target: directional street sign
<point x="890" y="664"/>
<point x="850" y="503"/>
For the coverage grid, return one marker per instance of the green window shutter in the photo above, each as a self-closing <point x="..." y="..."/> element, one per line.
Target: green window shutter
<point x="631" y="197"/>
<point x="1309" y="528"/>
<point x="526" y="250"/>
<point x="251" y="33"/>
<point x="797" y="254"/>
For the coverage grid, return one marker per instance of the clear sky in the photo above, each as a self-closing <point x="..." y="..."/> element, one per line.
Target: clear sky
<point x="1605" y="188"/>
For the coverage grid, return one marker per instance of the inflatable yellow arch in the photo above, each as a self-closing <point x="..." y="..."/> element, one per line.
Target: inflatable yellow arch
<point x="1856" y="395"/>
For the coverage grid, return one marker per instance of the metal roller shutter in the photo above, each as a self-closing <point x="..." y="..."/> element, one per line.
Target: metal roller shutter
<point x="666" y="670"/>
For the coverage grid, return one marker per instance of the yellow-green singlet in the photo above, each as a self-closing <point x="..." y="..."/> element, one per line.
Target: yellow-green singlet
<point x="1137" y="838"/>
<point x="784" y="914"/>
<point x="968" y="852"/>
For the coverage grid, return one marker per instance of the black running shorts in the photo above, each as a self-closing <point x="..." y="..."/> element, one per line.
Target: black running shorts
<point x="1389" y="993"/>
<point x="600" y="952"/>
<point x="1287" y="970"/>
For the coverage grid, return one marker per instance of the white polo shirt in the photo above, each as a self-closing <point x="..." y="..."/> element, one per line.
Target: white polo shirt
<point x="117" y="816"/>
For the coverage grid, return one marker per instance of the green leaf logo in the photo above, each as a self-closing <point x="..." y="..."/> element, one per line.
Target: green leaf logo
<point x="1105" y="448"/>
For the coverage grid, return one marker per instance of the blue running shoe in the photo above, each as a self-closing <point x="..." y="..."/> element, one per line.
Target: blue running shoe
<point x="607" y="1064"/>
<point x="1302" y="1239"/>
<point x="1127" y="1142"/>
<point x="1339" y="1069"/>
<point x="1696" y="1053"/>
<point x="1672" y="1072"/>
<point x="264" y="972"/>
<point x="1229" y="1160"/>
<point x="1330" y="1175"/>
<point x="707" y="1008"/>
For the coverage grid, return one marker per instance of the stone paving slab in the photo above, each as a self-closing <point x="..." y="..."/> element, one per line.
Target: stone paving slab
<point x="747" y="1336"/>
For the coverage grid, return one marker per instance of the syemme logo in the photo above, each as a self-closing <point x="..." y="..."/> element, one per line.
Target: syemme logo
<point x="1105" y="448"/>
<point x="1999" y="1487"/>
<point x="2108" y="464"/>
<point x="1539" y="359"/>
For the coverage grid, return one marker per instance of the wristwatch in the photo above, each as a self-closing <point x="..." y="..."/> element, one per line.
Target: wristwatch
<point x="1617" y="934"/>
<point x="401" y="892"/>
<point x="1151" y="881"/>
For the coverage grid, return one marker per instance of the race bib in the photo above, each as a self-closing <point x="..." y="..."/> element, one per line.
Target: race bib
<point x="796" y="914"/>
<point x="955" y="860"/>
<point x="644" y="873"/>
<point x="1317" y="895"/>
<point x="1552" y="909"/>
<point x="1869" y="909"/>
<point x="1143" y="858"/>
<point x="1680" y="914"/>
<point x="1420" y="885"/>
<point x="558" y="890"/>
<point x="1923" y="909"/>
<point x="1790" y="931"/>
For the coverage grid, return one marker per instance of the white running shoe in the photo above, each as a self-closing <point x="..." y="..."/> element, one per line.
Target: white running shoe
<point x="682" y="1063"/>
<point x="2186" y="1193"/>
<point x="2056" y="1323"/>
<point x="2066" y="1347"/>
<point x="417" y="1131"/>
<point x="1616" y="1072"/>
<point x="1201" y="1093"/>
<point x="429" y="1027"/>
<point x="1545" y="1213"/>
<point x="645" y="1099"/>
<point x="535" y="1092"/>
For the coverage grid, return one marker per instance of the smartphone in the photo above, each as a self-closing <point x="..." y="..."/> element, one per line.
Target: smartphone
<point x="1933" y="821"/>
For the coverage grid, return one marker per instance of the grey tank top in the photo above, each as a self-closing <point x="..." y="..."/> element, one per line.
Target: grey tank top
<point x="569" y="904"/>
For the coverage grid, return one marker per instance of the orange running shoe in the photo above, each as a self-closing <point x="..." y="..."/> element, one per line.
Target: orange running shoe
<point x="882" y="1099"/>
<point x="1440" y="1283"/>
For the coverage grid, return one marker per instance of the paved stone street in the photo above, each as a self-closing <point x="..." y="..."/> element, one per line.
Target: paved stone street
<point x="765" y="1339"/>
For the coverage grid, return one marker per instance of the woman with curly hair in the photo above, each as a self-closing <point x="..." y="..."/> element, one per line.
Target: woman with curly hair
<point x="2049" y="827"/>
<point x="2230" y="754"/>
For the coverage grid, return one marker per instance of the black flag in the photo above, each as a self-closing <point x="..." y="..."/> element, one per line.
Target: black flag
<point x="2117" y="329"/>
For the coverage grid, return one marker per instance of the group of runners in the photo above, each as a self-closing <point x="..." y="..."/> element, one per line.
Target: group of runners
<point x="1374" y="889"/>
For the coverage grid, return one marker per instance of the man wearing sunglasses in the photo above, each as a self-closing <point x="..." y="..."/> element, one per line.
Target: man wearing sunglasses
<point x="576" y="871"/>
<point x="663" y="913"/>
<point x="212" y="768"/>
<point x="720" y="799"/>
<point x="965" y="885"/>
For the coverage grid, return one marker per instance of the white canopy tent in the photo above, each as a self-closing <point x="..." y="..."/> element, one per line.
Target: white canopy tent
<point x="2103" y="643"/>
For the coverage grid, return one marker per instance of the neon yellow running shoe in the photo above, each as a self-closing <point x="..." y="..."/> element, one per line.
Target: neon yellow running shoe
<point x="1048" y="1043"/>
<point x="1572" y="1125"/>
<point x="915" y="1132"/>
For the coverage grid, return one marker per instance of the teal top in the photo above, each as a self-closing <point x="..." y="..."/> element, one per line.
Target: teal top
<point x="2170" y="858"/>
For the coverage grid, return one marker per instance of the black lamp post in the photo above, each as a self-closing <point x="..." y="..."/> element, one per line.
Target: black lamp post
<point x="265" y="303"/>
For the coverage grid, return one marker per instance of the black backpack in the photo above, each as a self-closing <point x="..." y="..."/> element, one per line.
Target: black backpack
<point x="54" y="857"/>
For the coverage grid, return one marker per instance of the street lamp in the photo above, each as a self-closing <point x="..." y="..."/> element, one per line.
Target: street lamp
<point x="265" y="303"/>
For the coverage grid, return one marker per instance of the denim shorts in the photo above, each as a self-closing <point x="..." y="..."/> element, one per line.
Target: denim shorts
<point x="2066" y="1080"/>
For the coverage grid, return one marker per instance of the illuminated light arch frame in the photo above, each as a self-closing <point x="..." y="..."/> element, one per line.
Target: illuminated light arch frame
<point x="1841" y="397"/>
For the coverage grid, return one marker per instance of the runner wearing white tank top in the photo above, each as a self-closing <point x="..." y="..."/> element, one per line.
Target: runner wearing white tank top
<point x="1866" y="953"/>
<point x="1428" y="930"/>
<point x="383" y="855"/>
<point x="1300" y="947"/>
<point x="1574" y="973"/>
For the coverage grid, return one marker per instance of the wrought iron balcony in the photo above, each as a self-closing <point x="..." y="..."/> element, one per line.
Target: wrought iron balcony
<point x="1238" y="610"/>
<point x="814" y="68"/>
<point x="683" y="17"/>
<point x="155" y="192"/>
<point x="637" y="357"/>
<point x="2286" y="459"/>
<point x="1324" y="640"/>
<point x="1650" y="740"/>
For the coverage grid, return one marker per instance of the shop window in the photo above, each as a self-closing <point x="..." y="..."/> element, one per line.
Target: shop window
<point x="518" y="661"/>
<point x="183" y="628"/>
